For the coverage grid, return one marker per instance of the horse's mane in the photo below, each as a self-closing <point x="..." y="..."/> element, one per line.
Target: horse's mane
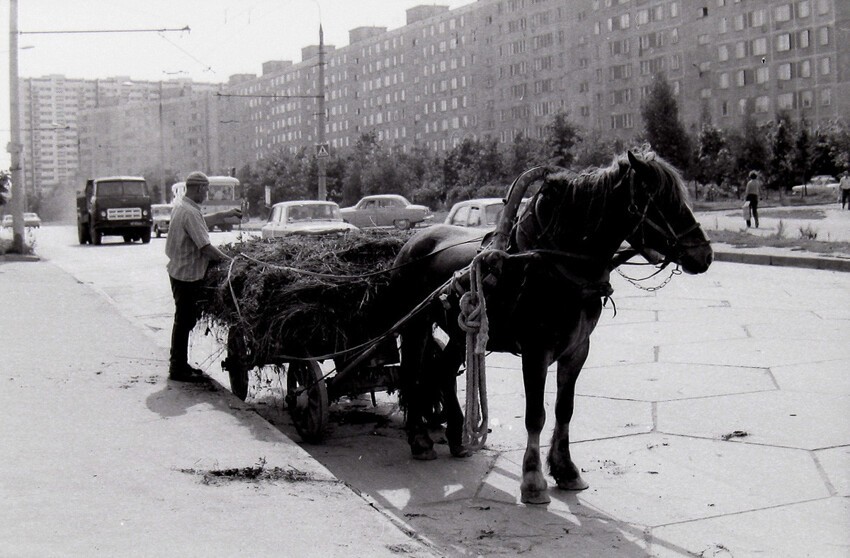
<point x="597" y="182"/>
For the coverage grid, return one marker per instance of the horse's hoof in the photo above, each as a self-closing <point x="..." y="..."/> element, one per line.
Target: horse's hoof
<point x="459" y="451"/>
<point x="573" y="484"/>
<point x="425" y="455"/>
<point x="535" y="497"/>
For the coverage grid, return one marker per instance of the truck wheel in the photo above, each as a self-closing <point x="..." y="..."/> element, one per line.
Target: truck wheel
<point x="146" y="236"/>
<point x="83" y="234"/>
<point x="95" y="236"/>
<point x="128" y="239"/>
<point x="402" y="224"/>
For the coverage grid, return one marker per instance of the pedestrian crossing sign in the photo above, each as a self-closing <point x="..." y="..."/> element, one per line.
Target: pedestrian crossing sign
<point x="322" y="150"/>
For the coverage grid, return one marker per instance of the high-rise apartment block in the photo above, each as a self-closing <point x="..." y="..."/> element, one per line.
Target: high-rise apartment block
<point x="493" y="68"/>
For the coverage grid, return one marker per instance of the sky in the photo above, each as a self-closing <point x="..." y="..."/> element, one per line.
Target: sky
<point x="226" y="37"/>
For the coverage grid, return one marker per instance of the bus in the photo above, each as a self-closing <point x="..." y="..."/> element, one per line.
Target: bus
<point x="225" y="192"/>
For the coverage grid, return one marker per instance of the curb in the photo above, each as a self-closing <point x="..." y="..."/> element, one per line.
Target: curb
<point x="826" y="264"/>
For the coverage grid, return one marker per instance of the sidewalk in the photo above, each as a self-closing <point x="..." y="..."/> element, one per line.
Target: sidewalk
<point x="103" y="456"/>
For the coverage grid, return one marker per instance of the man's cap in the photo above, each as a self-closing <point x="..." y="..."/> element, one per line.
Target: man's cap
<point x="753" y="174"/>
<point x="197" y="178"/>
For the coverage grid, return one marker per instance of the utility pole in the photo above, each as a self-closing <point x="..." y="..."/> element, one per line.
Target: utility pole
<point x="322" y="161"/>
<point x="14" y="147"/>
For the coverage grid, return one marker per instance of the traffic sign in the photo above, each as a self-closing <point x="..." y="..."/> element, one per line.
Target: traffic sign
<point x="323" y="150"/>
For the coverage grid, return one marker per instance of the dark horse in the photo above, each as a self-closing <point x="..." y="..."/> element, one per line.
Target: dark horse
<point x="544" y="296"/>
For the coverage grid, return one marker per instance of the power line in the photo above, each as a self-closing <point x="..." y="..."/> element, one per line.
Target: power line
<point x="81" y="31"/>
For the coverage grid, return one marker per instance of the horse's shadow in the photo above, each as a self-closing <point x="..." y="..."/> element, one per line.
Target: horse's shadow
<point x="467" y="506"/>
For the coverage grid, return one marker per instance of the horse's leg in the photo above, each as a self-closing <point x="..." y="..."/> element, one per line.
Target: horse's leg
<point x="533" y="488"/>
<point x="447" y="366"/>
<point x="561" y="466"/>
<point x="416" y="388"/>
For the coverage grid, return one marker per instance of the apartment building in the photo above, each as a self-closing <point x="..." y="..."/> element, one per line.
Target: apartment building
<point x="493" y="68"/>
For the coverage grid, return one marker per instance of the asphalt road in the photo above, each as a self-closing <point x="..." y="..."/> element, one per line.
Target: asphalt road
<point x="668" y="377"/>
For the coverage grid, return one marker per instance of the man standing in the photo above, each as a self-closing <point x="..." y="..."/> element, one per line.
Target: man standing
<point x="752" y="193"/>
<point x="844" y="186"/>
<point x="189" y="252"/>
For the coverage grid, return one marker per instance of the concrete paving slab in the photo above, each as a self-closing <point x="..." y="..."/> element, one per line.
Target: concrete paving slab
<point x="670" y="381"/>
<point x="836" y="466"/>
<point x="830" y="377"/>
<point x="752" y="353"/>
<point x="815" y="529"/>
<point x="777" y="418"/>
<point x="645" y="477"/>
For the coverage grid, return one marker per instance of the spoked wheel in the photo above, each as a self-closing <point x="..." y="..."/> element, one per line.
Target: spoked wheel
<point x="307" y="399"/>
<point x="237" y="363"/>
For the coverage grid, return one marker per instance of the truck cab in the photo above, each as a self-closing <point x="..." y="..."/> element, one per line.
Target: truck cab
<point x="114" y="206"/>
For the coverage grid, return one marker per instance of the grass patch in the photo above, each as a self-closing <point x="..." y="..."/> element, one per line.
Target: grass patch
<point x="741" y="239"/>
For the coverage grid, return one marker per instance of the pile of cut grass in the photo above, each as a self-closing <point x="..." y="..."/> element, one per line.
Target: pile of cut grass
<point x="304" y="296"/>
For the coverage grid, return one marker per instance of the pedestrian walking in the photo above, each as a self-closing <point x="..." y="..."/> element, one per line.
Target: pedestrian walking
<point x="752" y="193"/>
<point x="844" y="186"/>
<point x="189" y="253"/>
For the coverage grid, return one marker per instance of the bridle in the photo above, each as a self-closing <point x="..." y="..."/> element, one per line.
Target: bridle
<point x="675" y="244"/>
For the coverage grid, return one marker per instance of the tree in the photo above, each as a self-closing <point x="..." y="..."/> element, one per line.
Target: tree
<point x="711" y="141"/>
<point x="562" y="137"/>
<point x="662" y="127"/>
<point x="524" y="153"/>
<point x="750" y="148"/>
<point x="801" y="156"/>
<point x="779" y="168"/>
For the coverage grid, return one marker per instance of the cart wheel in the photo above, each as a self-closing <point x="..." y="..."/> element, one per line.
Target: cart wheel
<point x="237" y="365"/>
<point x="307" y="399"/>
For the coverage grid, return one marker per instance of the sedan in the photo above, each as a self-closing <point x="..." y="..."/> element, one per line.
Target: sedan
<point x="481" y="213"/>
<point x="821" y="184"/>
<point x="305" y="217"/>
<point x="387" y="210"/>
<point x="30" y="220"/>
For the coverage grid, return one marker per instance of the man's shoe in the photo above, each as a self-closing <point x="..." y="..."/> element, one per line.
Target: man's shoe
<point x="187" y="374"/>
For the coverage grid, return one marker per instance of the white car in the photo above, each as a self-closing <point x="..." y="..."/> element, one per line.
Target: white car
<point x="821" y="184"/>
<point x="30" y="220"/>
<point x="481" y="213"/>
<point x="305" y="217"/>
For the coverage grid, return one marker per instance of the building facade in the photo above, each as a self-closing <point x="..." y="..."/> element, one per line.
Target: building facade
<point x="493" y="68"/>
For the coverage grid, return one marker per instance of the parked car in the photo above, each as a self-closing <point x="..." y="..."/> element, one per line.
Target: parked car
<point x="161" y="218"/>
<point x="821" y="184"/>
<point x="30" y="220"/>
<point x="305" y="217"/>
<point x="387" y="210"/>
<point x="480" y="213"/>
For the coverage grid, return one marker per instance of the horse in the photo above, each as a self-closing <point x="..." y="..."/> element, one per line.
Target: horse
<point x="544" y="295"/>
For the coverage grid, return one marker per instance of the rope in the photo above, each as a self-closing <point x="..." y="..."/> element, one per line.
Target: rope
<point x="473" y="320"/>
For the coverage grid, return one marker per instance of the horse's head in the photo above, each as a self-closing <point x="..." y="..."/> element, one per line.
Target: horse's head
<point x="664" y="228"/>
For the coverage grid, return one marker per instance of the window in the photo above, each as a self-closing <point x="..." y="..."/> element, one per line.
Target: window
<point x="803" y="9"/>
<point x="762" y="74"/>
<point x="785" y="101"/>
<point x="783" y="42"/>
<point x="823" y="36"/>
<point x="783" y="72"/>
<point x="760" y="46"/>
<point x="741" y="49"/>
<point x="805" y="68"/>
<point x="642" y="17"/>
<point x="724" y="80"/>
<point x="806" y="99"/>
<point x="803" y="39"/>
<point x="783" y="13"/>
<point x="826" y="97"/>
<point x="724" y="108"/>
<point x="723" y="53"/>
<point x="825" y="66"/>
<point x="705" y="92"/>
<point x="762" y="104"/>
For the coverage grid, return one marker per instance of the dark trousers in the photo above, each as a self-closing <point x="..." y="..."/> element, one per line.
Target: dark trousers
<point x="754" y="207"/>
<point x="187" y="295"/>
<point x="845" y="199"/>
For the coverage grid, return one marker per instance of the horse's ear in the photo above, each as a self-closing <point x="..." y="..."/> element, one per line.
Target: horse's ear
<point x="638" y="165"/>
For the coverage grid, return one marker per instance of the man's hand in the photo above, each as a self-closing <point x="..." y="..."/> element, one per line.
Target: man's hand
<point x="234" y="212"/>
